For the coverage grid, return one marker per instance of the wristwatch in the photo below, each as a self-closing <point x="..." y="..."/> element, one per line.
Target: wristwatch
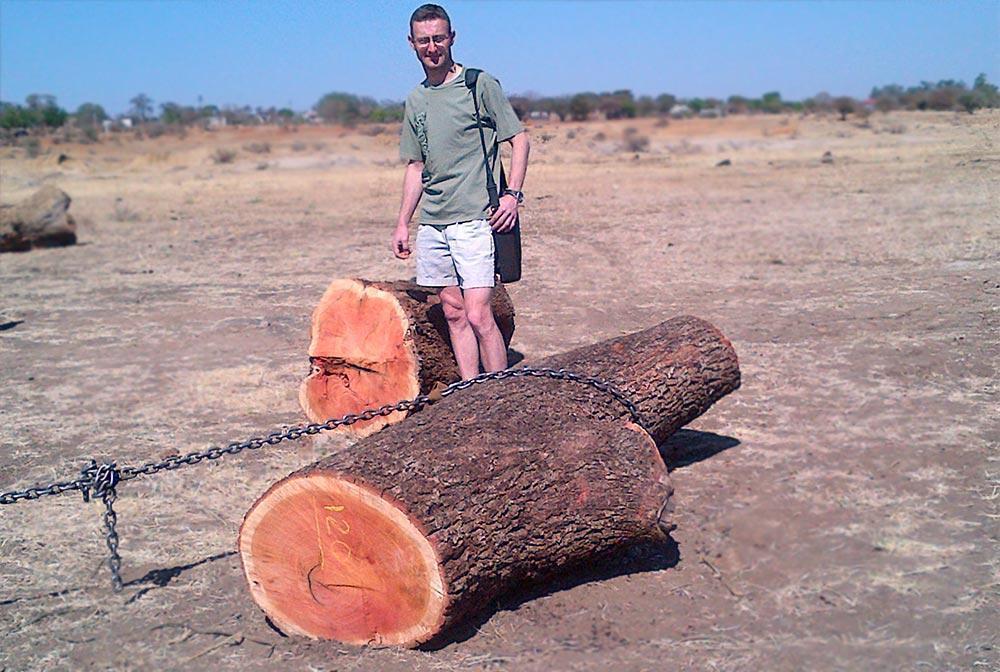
<point x="519" y="195"/>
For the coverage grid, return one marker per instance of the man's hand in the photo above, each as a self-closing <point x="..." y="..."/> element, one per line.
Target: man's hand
<point x="401" y="241"/>
<point x="504" y="217"/>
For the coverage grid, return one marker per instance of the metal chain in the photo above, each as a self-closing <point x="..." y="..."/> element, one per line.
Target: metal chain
<point x="100" y="481"/>
<point x="111" y="539"/>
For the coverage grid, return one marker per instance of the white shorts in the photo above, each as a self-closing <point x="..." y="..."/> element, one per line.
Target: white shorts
<point x="458" y="254"/>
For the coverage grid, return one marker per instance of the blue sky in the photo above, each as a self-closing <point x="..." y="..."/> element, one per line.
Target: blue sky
<point x="288" y="53"/>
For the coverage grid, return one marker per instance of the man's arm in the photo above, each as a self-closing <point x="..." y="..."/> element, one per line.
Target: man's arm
<point x="505" y="216"/>
<point x="520" y="146"/>
<point x="413" y="187"/>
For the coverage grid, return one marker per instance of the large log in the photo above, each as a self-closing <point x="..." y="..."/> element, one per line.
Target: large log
<point x="419" y="526"/>
<point x="376" y="343"/>
<point x="41" y="220"/>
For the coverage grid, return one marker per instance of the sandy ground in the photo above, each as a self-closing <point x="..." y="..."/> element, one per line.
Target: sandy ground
<point x="839" y="512"/>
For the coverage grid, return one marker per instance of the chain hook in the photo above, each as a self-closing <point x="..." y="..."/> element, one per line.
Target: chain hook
<point x="99" y="479"/>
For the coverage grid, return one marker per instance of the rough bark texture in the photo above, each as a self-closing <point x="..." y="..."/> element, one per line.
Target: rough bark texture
<point x="430" y="330"/>
<point x="509" y="482"/>
<point x="40" y="221"/>
<point x="376" y="343"/>
<point x="673" y="372"/>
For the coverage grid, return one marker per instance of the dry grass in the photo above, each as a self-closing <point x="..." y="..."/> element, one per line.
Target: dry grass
<point x="123" y="213"/>
<point x="258" y="147"/>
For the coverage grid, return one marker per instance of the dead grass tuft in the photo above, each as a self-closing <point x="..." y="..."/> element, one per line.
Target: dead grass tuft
<point x="223" y="155"/>
<point x="123" y="213"/>
<point x="634" y="141"/>
<point x="258" y="147"/>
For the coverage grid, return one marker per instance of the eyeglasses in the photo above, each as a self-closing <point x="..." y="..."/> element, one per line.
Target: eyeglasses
<point x="437" y="39"/>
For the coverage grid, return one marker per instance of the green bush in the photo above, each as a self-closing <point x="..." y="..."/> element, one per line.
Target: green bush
<point x="970" y="101"/>
<point x="15" y="116"/>
<point x="90" y="114"/>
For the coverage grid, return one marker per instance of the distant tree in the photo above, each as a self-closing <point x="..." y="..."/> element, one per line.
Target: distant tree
<point x="522" y="106"/>
<point x="339" y="107"/>
<point x="970" y="101"/>
<point x="557" y="106"/>
<point x="387" y="111"/>
<point x="889" y="90"/>
<point x="15" y="116"/>
<point x="173" y="114"/>
<point x="90" y="114"/>
<point x="41" y="109"/>
<point x="645" y="106"/>
<point x="771" y="102"/>
<point x="580" y="107"/>
<point x="54" y="116"/>
<point x="616" y="105"/>
<point x="945" y="96"/>
<point x="627" y="108"/>
<point x="239" y="116"/>
<point x="844" y="105"/>
<point x="696" y="104"/>
<point x="170" y="113"/>
<point x="886" y="104"/>
<point x="664" y="102"/>
<point x="737" y="105"/>
<point x="142" y="106"/>
<point x="40" y="101"/>
<point x="823" y="102"/>
<point x="989" y="94"/>
<point x="366" y="106"/>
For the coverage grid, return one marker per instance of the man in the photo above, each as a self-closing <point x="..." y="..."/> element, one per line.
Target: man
<point x="441" y="143"/>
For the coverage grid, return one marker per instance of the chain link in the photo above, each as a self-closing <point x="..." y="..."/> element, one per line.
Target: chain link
<point x="100" y="481"/>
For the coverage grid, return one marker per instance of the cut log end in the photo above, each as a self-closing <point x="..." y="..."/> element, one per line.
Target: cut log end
<point x="362" y="356"/>
<point x="378" y="343"/>
<point x="371" y="576"/>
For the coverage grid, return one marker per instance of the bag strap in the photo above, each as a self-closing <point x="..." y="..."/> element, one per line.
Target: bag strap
<point x="471" y="77"/>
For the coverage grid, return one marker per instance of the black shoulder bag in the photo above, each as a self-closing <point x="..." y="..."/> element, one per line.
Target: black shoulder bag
<point x="507" y="245"/>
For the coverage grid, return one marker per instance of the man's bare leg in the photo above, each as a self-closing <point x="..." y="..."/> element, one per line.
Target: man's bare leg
<point x="463" y="338"/>
<point x="479" y="314"/>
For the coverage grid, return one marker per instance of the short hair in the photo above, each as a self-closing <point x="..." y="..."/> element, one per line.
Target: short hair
<point x="429" y="12"/>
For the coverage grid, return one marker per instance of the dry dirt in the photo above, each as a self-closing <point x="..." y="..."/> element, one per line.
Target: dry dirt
<point x="839" y="512"/>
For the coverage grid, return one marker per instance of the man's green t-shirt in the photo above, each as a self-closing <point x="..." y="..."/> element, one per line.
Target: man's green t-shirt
<point x="439" y="128"/>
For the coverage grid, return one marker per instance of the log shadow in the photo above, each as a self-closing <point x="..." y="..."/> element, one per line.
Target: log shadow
<point x="649" y="557"/>
<point x="163" y="576"/>
<point x="157" y="577"/>
<point x="514" y="357"/>
<point x="688" y="446"/>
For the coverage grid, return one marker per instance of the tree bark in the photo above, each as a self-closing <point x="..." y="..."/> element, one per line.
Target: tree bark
<point x="39" y="221"/>
<point x="376" y="343"/>
<point x="419" y="526"/>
